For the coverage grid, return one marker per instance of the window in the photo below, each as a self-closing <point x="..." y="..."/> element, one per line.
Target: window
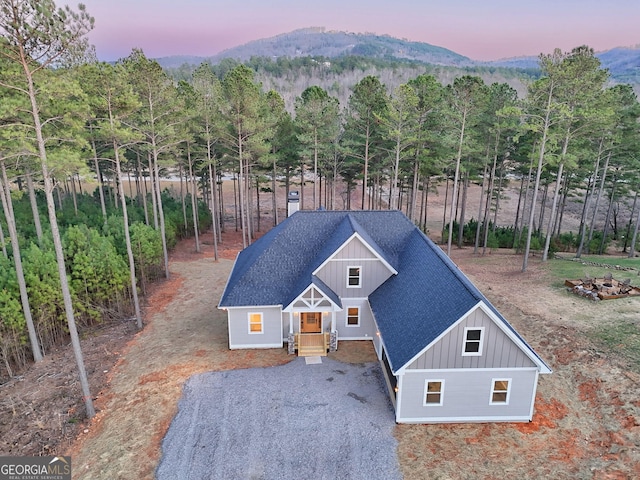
<point x="500" y="391"/>
<point x="354" y="275"/>
<point x="472" y="341"/>
<point x="353" y="317"/>
<point x="433" y="392"/>
<point x="255" y="323"/>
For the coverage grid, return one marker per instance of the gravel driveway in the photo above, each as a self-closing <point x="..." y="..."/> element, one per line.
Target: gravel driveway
<point x="321" y="421"/>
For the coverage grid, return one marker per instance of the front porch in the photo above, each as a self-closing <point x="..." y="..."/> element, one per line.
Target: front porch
<point x="312" y="344"/>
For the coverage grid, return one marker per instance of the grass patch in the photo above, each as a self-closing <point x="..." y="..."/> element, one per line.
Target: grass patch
<point x="568" y="269"/>
<point x="620" y="338"/>
<point x="611" y="260"/>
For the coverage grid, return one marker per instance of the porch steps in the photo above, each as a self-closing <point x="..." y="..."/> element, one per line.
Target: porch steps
<point x="312" y="345"/>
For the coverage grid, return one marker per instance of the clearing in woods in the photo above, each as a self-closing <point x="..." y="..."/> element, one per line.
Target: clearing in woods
<point x="586" y="422"/>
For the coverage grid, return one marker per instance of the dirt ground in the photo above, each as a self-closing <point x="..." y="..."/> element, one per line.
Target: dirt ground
<point x="586" y="423"/>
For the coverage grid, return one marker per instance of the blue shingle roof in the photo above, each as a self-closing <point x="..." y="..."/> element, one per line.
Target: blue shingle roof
<point x="427" y="296"/>
<point x="418" y="304"/>
<point x="279" y="265"/>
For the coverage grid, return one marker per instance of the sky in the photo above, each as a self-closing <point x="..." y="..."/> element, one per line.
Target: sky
<point x="478" y="29"/>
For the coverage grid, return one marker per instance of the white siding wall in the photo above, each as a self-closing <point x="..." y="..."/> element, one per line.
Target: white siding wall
<point x="498" y="350"/>
<point x="239" y="336"/>
<point x="466" y="396"/>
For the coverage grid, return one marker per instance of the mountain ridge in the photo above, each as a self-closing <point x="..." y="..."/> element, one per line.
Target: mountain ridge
<point x="623" y="63"/>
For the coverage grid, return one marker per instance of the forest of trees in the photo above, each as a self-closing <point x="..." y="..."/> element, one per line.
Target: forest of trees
<point x="73" y="258"/>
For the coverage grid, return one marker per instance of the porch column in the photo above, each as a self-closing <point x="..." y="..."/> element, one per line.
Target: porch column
<point x="333" y="336"/>
<point x="291" y="339"/>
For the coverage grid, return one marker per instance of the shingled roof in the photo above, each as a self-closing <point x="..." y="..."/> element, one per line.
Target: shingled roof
<point x="277" y="267"/>
<point x="412" y="308"/>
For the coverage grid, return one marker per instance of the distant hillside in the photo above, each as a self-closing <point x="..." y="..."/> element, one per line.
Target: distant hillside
<point x="317" y="42"/>
<point x="516" y="62"/>
<point x="622" y="63"/>
<point x="314" y="42"/>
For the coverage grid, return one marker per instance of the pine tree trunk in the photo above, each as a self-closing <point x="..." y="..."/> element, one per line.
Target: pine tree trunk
<point x="366" y="166"/>
<point x="543" y="205"/>
<point x="34" y="206"/>
<point x="315" y="168"/>
<point x="7" y="206"/>
<point x="127" y="238"/>
<point x="563" y="204"/>
<point x="605" y="230"/>
<point x="552" y="213"/>
<point x="446" y="204"/>
<point x="455" y="183"/>
<point x="194" y="201"/>
<point x="274" y="203"/>
<point x="490" y="195"/>
<point x="214" y="214"/>
<point x="74" y="195"/>
<point x="414" y="191"/>
<point x="463" y="209"/>
<point x="484" y="195"/>
<point x="302" y="185"/>
<point x="154" y="199"/>
<point x="585" y="209"/>
<point x="144" y="192"/>
<point x="183" y="201"/>
<point x="628" y="232"/>
<point x="57" y="242"/>
<point x="163" y="233"/>
<point x="4" y="247"/>
<point x="497" y="197"/>
<point x="632" y="247"/>
<point x="241" y="192"/>
<point x="257" y="203"/>
<point x="96" y="164"/>
<point x="527" y="248"/>
<point x="248" y="203"/>
<point x="598" y="198"/>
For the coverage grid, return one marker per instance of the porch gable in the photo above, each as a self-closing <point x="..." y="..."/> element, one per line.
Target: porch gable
<point x="313" y="298"/>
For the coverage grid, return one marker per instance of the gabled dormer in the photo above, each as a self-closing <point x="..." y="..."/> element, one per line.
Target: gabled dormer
<point x="356" y="268"/>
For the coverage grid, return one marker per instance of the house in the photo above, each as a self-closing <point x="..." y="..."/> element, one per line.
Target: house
<point x="322" y="278"/>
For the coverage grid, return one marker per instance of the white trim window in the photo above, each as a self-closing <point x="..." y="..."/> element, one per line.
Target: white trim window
<point x="353" y="317"/>
<point x="473" y="340"/>
<point x="433" y="393"/>
<point x="500" y="391"/>
<point x="354" y="276"/>
<point x="256" y="324"/>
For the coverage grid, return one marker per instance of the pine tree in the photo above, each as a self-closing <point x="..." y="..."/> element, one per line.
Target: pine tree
<point x="37" y="36"/>
<point x="113" y="101"/>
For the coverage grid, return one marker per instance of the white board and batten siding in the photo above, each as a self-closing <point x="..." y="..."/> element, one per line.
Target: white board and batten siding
<point x="498" y="350"/>
<point x="466" y="396"/>
<point x="240" y="335"/>
<point x="354" y="253"/>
